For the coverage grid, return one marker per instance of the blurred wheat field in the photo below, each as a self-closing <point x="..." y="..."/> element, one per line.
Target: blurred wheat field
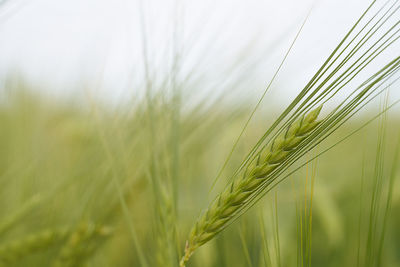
<point x="193" y="163"/>
<point x="61" y="164"/>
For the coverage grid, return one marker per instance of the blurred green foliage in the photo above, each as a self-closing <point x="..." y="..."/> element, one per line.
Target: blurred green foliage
<point x="73" y="166"/>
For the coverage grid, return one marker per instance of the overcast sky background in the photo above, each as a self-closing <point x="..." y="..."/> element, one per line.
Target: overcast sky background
<point x="59" y="43"/>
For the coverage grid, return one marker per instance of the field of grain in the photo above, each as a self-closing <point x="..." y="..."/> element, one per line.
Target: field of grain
<point x="170" y="178"/>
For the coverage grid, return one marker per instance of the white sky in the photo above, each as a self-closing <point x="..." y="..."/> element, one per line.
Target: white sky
<point x="59" y="43"/>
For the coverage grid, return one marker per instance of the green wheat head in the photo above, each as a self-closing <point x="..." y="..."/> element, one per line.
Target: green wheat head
<point x="81" y="244"/>
<point x="241" y="190"/>
<point x="165" y="255"/>
<point x="18" y="249"/>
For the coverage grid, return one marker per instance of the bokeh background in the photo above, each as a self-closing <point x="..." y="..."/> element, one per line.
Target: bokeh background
<point x="103" y="101"/>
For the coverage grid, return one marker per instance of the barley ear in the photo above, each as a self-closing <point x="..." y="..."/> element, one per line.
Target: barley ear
<point x="240" y="191"/>
<point x="18" y="249"/>
<point x="80" y="244"/>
